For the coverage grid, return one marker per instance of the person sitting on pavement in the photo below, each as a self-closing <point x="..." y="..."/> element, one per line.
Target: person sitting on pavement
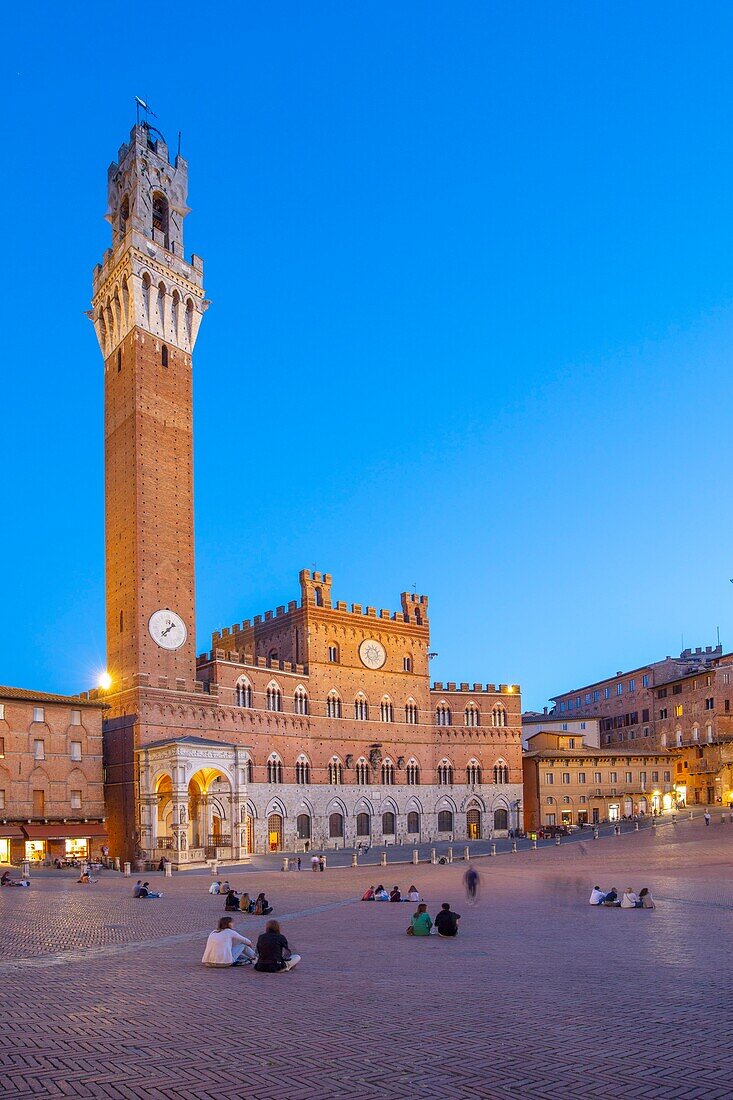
<point x="413" y="894"/>
<point x="137" y="888"/>
<point x="597" y="896"/>
<point x="395" y="894"/>
<point x="646" y="899"/>
<point x="5" y="879"/>
<point x="611" y="897"/>
<point x="146" y="892"/>
<point x="380" y="894"/>
<point x="368" y="895"/>
<point x="630" y="900"/>
<point x="231" y="901"/>
<point x="420" y="922"/>
<point x="245" y="903"/>
<point x="225" y="947"/>
<point x="262" y="906"/>
<point x="273" y="952"/>
<point x="215" y="887"/>
<point x="447" y="921"/>
<point x="225" y="887"/>
<point x="84" y="878"/>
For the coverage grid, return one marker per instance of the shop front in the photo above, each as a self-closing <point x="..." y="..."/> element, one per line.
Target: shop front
<point x="12" y="839"/>
<point x="68" y="841"/>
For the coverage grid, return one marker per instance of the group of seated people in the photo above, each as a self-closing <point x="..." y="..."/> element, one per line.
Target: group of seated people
<point x="226" y="947"/>
<point x="629" y="900"/>
<point x="6" y="880"/>
<point x="378" y="893"/>
<point x="445" y="923"/>
<point x="142" y="890"/>
<point x="243" y="903"/>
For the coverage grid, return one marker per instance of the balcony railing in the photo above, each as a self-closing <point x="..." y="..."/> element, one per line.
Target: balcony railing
<point x="222" y="841"/>
<point x="164" y="842"/>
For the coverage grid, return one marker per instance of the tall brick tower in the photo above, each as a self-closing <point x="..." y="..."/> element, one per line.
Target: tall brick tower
<point x="148" y="302"/>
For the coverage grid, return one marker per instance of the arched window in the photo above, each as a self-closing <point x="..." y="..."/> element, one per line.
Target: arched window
<point x="147" y="290"/>
<point x="445" y="773"/>
<point x="164" y="355"/>
<point x="678" y="737"/>
<point x="248" y="770"/>
<point x="471" y="715"/>
<point x="189" y="319"/>
<point x="498" y="716"/>
<point x="413" y="822"/>
<point x="363" y="824"/>
<point x="501" y="772"/>
<point x="443" y="716"/>
<point x="273" y="697"/>
<point x="175" y="312"/>
<point x="123" y="216"/>
<point x="333" y="705"/>
<point x="362" y="772"/>
<point x="273" y="655"/>
<point x="407" y="664"/>
<point x="160" y="305"/>
<point x="302" y="770"/>
<point x="709" y="733"/>
<point x="274" y="770"/>
<point x="160" y="218"/>
<point x="411" y="712"/>
<point x="445" y="821"/>
<point x="388" y="824"/>
<point x="243" y="692"/>
<point x="361" y="708"/>
<point x="413" y="773"/>
<point x="303" y="826"/>
<point x="300" y="701"/>
<point x="335" y="772"/>
<point x="386" y="710"/>
<point x="318" y="593"/>
<point x="335" y="825"/>
<point x="333" y="654"/>
<point x="473" y="773"/>
<point x="387" y="773"/>
<point x="501" y="820"/>
<point x="695" y="733"/>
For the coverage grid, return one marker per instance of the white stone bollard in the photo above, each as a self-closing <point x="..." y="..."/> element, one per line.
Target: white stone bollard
<point x="534" y="845"/>
<point x="450" y="855"/>
<point x="414" y="856"/>
<point x="557" y="841"/>
<point x="432" y="855"/>
<point x="383" y="859"/>
<point x="168" y="869"/>
<point x="514" y="845"/>
<point x="286" y="864"/>
<point x="595" y="834"/>
<point x="690" y="815"/>
<point x="466" y="854"/>
<point x="493" y="849"/>
<point x="25" y="868"/>
<point x="126" y="870"/>
<point x="636" y="826"/>
<point x="354" y="861"/>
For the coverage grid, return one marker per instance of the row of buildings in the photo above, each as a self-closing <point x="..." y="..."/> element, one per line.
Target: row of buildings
<point x="315" y="724"/>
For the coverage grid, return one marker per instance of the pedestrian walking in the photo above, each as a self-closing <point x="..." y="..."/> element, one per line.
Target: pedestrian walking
<point x="471" y="879"/>
<point x="298" y="862"/>
<point x="314" y="862"/>
<point x="322" y="863"/>
<point x="706" y="815"/>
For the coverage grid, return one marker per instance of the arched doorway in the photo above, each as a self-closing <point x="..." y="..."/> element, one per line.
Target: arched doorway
<point x="303" y="826"/>
<point x="335" y="825"/>
<point x="473" y="824"/>
<point x="501" y="820"/>
<point x="250" y="826"/>
<point x="274" y="832"/>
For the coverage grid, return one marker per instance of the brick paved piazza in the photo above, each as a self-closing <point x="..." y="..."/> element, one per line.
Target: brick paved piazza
<point x="540" y="996"/>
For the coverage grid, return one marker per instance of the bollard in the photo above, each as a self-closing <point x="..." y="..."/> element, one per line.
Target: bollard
<point x="432" y="855"/>
<point x="168" y="869"/>
<point x="674" y="820"/>
<point x="26" y="868"/>
<point x="414" y="856"/>
<point x="654" y="823"/>
<point x="557" y="841"/>
<point x="514" y="845"/>
<point x="126" y="870"/>
<point x="595" y="834"/>
<point x="324" y="861"/>
<point x="450" y="855"/>
<point x="722" y="819"/>
<point x="286" y="864"/>
<point x="534" y="845"/>
<point x="383" y="859"/>
<point x="690" y="815"/>
<point x="636" y="826"/>
<point x="354" y="861"/>
<point x="117" y="863"/>
<point x="466" y="854"/>
<point x="493" y="849"/>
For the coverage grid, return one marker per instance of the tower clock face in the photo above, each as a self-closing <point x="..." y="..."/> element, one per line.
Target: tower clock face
<point x="372" y="653"/>
<point x="167" y="629"/>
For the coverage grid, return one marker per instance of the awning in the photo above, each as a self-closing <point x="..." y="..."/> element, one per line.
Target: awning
<point x="11" y="832"/>
<point x="65" y="831"/>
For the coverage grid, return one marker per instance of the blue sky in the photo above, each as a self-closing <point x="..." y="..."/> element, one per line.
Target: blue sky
<point x="471" y="268"/>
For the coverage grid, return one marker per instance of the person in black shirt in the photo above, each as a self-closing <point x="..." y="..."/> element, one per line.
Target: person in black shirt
<point x="231" y="902"/>
<point x="447" y="921"/>
<point x="273" y="953"/>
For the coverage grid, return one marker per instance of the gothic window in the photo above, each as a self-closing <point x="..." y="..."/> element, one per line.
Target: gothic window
<point x="303" y="826"/>
<point x="335" y="825"/>
<point x="413" y="773"/>
<point x="274" y="770"/>
<point x="361" y="708"/>
<point x="445" y="773"/>
<point x="175" y="312"/>
<point x="301" y="701"/>
<point x="443" y="715"/>
<point x="473" y="773"/>
<point x="243" y="692"/>
<point x="388" y="823"/>
<point x="248" y="770"/>
<point x="501" y="820"/>
<point x="189" y="319"/>
<point x="333" y="705"/>
<point x="363" y="824"/>
<point x="335" y="772"/>
<point x="333" y="654"/>
<point x="273" y="697"/>
<point x="160" y="305"/>
<point x="413" y="822"/>
<point x="388" y="773"/>
<point x="160" y="218"/>
<point x="302" y="770"/>
<point x="411" y="712"/>
<point x="362" y="772"/>
<point x="318" y="593"/>
<point x="471" y="715"/>
<point x="501" y="772"/>
<point x="123" y="216"/>
<point x="164" y="356"/>
<point x="147" y="286"/>
<point x="386" y="710"/>
<point x="498" y="716"/>
<point x="445" y="821"/>
<point x="407" y="664"/>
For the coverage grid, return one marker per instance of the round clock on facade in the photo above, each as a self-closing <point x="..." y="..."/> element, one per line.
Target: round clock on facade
<point x="167" y="629"/>
<point x="372" y="653"/>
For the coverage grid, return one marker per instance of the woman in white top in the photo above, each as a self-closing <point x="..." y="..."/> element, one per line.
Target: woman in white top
<point x="225" y="947"/>
<point x="413" y="894"/>
<point x="215" y="887"/>
<point x="380" y="894"/>
<point x="630" y="900"/>
<point x="597" y="896"/>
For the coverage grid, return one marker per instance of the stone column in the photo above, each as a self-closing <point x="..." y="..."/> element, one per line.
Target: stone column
<point x="148" y="821"/>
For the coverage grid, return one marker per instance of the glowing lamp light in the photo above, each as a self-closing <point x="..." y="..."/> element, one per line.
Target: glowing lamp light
<point x="105" y="681"/>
